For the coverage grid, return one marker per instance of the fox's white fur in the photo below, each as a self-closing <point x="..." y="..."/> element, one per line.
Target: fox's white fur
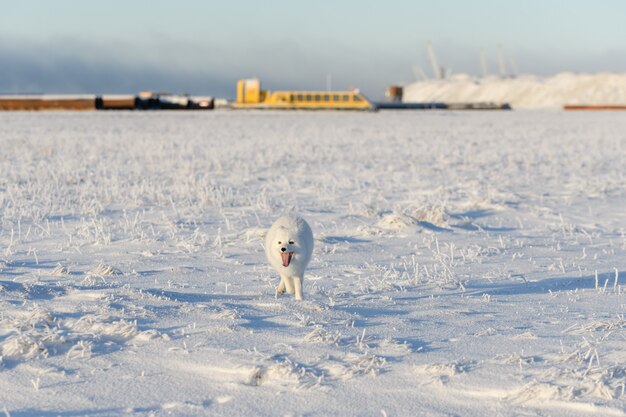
<point x="289" y="246"/>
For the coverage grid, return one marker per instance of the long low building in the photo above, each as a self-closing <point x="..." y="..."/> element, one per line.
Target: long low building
<point x="251" y="96"/>
<point x="144" y="101"/>
<point x="47" y="102"/>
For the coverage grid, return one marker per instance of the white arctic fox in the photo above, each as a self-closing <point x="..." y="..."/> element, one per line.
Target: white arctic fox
<point x="288" y="246"/>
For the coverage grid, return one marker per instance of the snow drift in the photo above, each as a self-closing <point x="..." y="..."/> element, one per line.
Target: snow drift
<point x="525" y="91"/>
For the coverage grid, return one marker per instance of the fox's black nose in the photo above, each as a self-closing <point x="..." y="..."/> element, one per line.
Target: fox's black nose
<point x="283" y="249"/>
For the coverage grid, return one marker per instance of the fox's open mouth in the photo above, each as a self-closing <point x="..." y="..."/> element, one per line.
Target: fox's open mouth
<point x="286" y="257"/>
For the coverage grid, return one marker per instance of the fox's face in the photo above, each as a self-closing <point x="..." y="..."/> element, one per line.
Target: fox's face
<point x="285" y="245"/>
<point x="289" y="246"/>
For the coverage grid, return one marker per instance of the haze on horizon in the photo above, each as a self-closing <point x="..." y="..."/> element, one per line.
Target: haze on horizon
<point x="204" y="47"/>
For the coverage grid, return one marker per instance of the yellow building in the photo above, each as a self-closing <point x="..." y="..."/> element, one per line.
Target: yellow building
<point x="251" y="96"/>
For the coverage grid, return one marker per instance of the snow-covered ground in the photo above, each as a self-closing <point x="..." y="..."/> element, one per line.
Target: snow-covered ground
<point x="525" y="91"/>
<point x="466" y="264"/>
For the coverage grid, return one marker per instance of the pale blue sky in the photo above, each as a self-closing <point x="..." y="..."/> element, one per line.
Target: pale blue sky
<point x="203" y="47"/>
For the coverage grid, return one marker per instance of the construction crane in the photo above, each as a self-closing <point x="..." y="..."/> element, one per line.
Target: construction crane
<point x="483" y="63"/>
<point x="438" y="71"/>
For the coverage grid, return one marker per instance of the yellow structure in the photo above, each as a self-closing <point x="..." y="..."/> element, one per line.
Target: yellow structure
<point x="250" y="96"/>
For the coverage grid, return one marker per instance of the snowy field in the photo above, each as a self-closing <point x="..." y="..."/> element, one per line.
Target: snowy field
<point x="466" y="264"/>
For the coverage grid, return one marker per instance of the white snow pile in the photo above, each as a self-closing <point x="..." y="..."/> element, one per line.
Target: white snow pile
<point x="524" y="91"/>
<point x="466" y="264"/>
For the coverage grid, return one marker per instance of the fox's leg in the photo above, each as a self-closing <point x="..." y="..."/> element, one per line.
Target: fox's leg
<point x="281" y="287"/>
<point x="297" y="285"/>
<point x="288" y="284"/>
